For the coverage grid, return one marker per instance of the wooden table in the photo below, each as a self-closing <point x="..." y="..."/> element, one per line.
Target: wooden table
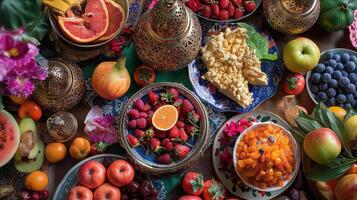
<point x="323" y="39"/>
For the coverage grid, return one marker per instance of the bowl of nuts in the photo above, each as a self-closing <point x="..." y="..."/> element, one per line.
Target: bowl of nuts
<point x="266" y="157"/>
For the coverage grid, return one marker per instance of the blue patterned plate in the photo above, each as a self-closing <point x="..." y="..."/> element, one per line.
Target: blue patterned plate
<point x="209" y="94"/>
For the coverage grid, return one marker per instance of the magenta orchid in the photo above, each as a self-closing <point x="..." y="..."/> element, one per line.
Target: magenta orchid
<point x="18" y="67"/>
<point x="100" y="128"/>
<point x="353" y="31"/>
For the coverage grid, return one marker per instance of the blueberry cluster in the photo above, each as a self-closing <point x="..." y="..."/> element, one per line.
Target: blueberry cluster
<point x="334" y="81"/>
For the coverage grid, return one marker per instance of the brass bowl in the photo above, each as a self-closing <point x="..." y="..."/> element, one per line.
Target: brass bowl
<point x="52" y="18"/>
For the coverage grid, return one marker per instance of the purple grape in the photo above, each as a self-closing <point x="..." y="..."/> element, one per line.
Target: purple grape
<point x="133" y="187"/>
<point x="294" y="194"/>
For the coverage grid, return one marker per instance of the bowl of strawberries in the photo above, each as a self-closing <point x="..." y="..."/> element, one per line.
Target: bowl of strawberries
<point x="223" y="10"/>
<point x="164" y="128"/>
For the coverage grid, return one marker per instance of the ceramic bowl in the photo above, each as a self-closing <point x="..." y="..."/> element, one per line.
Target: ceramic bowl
<point x="144" y="161"/>
<point x="296" y="152"/>
<point x="257" y="2"/>
<point x="323" y="58"/>
<point x="52" y="18"/>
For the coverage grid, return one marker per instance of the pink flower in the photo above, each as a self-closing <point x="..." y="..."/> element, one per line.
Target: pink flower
<point x="99" y="127"/>
<point x="353" y="31"/>
<point x="231" y="129"/>
<point x="226" y="158"/>
<point x="153" y="3"/>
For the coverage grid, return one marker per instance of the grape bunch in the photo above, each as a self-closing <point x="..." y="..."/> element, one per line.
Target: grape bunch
<point x="141" y="188"/>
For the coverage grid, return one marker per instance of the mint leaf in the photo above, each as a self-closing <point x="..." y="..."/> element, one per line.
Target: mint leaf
<point x="350" y="113"/>
<point x="306" y="123"/>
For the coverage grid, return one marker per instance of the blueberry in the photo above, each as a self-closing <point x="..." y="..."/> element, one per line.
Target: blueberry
<point x="347" y="105"/>
<point x="344" y="73"/>
<point x="343" y="82"/>
<point x="332" y="63"/>
<point x="337" y="57"/>
<point x="332" y="83"/>
<point x="353" y="102"/>
<point x="331" y="101"/>
<point x="325" y="77"/>
<point x="322" y="95"/>
<point x="345" y="57"/>
<point x="337" y="75"/>
<point x="329" y="55"/>
<point x="314" y="88"/>
<point x="331" y="92"/>
<point x="353" y="77"/>
<point x="328" y="70"/>
<point x="351" y="88"/>
<point x="353" y="58"/>
<point x="350" y="98"/>
<point x="315" y="77"/>
<point x="350" y="66"/>
<point x="341" y="98"/>
<point x="340" y="91"/>
<point x="339" y="66"/>
<point x="341" y="105"/>
<point x="323" y="86"/>
<point x="320" y="68"/>
<point x="355" y="94"/>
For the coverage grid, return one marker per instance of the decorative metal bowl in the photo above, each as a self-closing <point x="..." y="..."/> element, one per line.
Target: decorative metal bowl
<point x="52" y="18"/>
<point x="257" y="3"/>
<point x="146" y="162"/>
<point x="295" y="148"/>
<point x="63" y="88"/>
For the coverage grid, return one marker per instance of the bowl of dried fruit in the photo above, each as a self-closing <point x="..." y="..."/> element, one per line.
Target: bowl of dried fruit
<point x="164" y="128"/>
<point x="266" y="157"/>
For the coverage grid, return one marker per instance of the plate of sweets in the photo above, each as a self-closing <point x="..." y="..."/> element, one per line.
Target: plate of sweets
<point x="236" y="171"/>
<point x="238" y="68"/>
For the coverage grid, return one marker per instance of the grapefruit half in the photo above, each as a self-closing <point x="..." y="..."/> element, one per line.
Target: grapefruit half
<point x="116" y="19"/>
<point x="91" y="25"/>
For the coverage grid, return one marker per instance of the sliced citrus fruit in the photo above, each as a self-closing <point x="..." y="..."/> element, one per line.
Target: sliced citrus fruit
<point x="91" y="25"/>
<point x="165" y="117"/>
<point x="338" y="111"/>
<point x="116" y="19"/>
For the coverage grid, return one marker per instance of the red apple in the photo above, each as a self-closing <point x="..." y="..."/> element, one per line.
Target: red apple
<point x="91" y="174"/>
<point x="80" y="193"/>
<point x="322" y="145"/>
<point x="107" y="192"/>
<point x="346" y="188"/>
<point x="120" y="173"/>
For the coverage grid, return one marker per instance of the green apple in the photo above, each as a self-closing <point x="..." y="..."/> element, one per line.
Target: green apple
<point x="301" y="55"/>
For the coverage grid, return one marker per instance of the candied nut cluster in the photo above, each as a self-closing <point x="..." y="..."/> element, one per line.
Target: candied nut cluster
<point x="231" y="65"/>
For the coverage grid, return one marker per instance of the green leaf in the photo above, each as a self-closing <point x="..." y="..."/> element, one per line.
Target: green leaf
<point x="265" y="118"/>
<point x="259" y="43"/>
<point x="307" y="123"/>
<point x="350" y="113"/>
<point x="297" y="134"/>
<point x="332" y="170"/>
<point x="1" y="104"/>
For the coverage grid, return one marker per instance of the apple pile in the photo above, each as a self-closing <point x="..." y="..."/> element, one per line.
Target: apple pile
<point x="167" y="145"/>
<point x="222" y="9"/>
<point x="114" y="182"/>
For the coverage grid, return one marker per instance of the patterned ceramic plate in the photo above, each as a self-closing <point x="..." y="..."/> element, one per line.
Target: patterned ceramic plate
<point x="209" y="94"/>
<point x="226" y="172"/>
<point x="70" y="179"/>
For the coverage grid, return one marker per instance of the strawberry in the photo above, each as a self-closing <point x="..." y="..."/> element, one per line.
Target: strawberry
<point x="237" y="2"/>
<point x="149" y="133"/>
<point x="215" y="10"/>
<point x="141" y="123"/>
<point x="180" y="124"/>
<point x="150" y="113"/>
<point x="194" y="5"/>
<point x="133" y="113"/>
<point x="238" y="13"/>
<point x="192" y="130"/>
<point x="132" y="123"/>
<point x="167" y="144"/>
<point x="153" y="98"/>
<point x="181" y="150"/>
<point x="223" y="15"/>
<point x="193" y="118"/>
<point x="174" y="132"/>
<point x="186" y="107"/>
<point x="231" y="9"/>
<point x="139" y="133"/>
<point x="206" y="11"/>
<point x="164" y="158"/>
<point x="183" y="135"/>
<point x="133" y="141"/>
<point x="175" y="94"/>
<point x="139" y="104"/>
<point x="249" y="5"/>
<point x="160" y="134"/>
<point x="146" y="108"/>
<point x="223" y="4"/>
<point x="154" y="145"/>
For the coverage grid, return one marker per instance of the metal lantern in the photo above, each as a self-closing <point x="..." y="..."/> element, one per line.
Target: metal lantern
<point x="168" y="37"/>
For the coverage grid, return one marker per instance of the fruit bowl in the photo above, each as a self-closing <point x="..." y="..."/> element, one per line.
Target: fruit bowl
<point x="328" y="88"/>
<point x="277" y="167"/>
<point x="149" y="158"/>
<point x="230" y="20"/>
<point x="53" y="15"/>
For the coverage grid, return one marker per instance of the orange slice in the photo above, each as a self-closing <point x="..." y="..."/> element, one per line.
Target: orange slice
<point x="165" y="117"/>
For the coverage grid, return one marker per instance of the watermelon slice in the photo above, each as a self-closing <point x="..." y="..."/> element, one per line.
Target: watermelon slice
<point x="9" y="137"/>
